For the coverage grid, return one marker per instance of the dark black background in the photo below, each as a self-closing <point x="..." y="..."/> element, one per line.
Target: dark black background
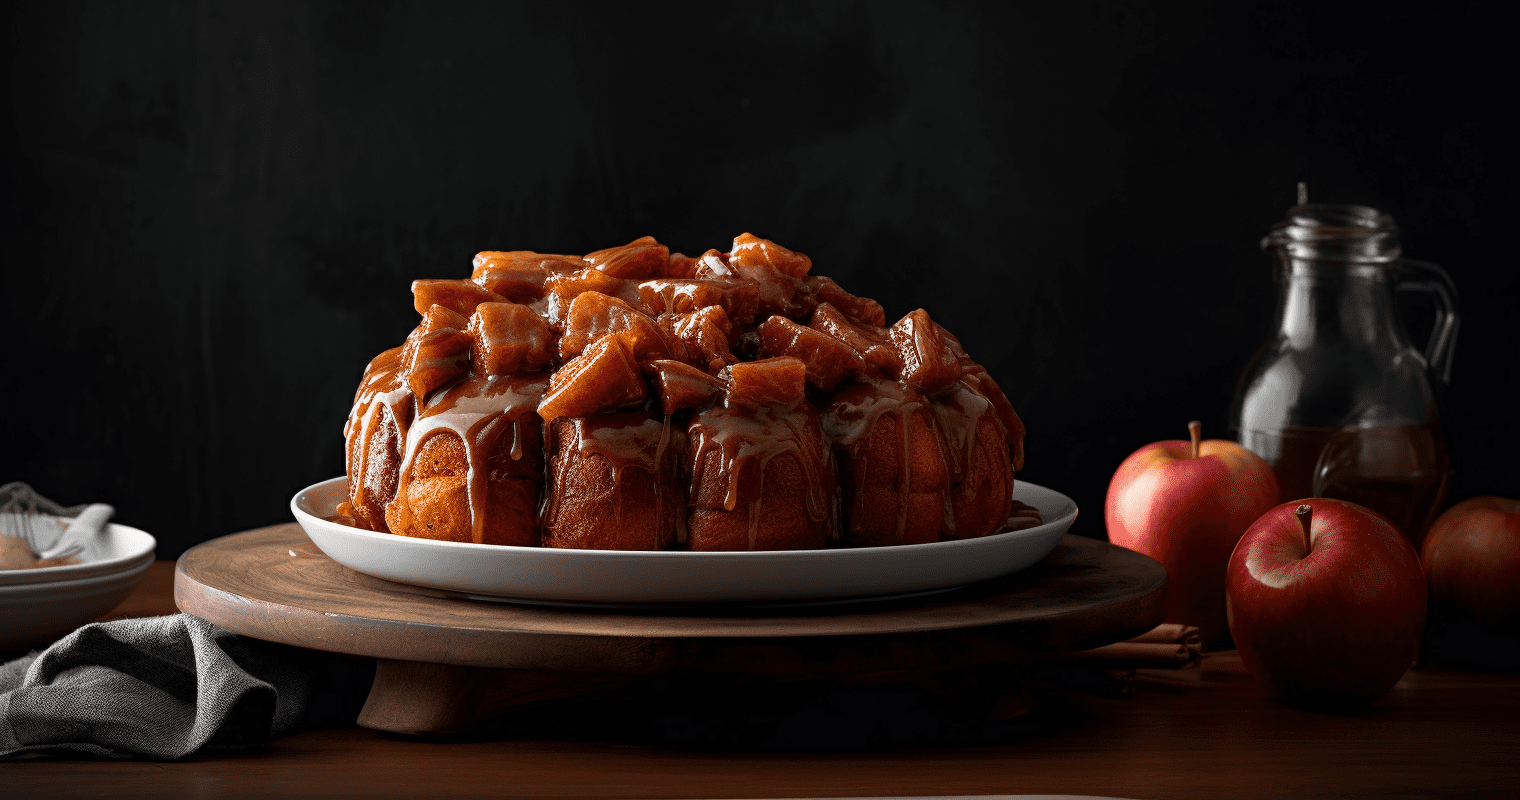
<point x="214" y="210"/>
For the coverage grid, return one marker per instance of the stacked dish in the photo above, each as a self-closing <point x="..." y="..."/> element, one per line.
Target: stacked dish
<point x="39" y="606"/>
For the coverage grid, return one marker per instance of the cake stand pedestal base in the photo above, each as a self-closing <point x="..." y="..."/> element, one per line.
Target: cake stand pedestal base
<point x="444" y="663"/>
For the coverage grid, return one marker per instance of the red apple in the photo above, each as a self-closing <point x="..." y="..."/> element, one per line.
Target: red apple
<point x="1471" y="558"/>
<point x="1186" y="504"/>
<point x="1326" y="602"/>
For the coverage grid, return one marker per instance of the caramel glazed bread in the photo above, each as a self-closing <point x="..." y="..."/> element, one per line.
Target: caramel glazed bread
<point x="638" y="399"/>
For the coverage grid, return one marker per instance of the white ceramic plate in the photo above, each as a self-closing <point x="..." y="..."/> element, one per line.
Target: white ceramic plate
<point x="116" y="548"/>
<point x="37" y="614"/>
<point x="555" y="576"/>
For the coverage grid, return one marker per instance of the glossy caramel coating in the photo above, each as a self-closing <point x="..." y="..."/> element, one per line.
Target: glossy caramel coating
<point x="438" y="501"/>
<point x="437" y="504"/>
<point x="616" y="483"/>
<point x="730" y="401"/>
<point x="890" y="464"/>
<point x="377" y="458"/>
<point x="762" y="479"/>
<point x="376" y="437"/>
<point x="982" y="500"/>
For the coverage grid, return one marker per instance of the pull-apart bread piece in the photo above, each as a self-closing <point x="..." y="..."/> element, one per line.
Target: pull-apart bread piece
<point x="638" y="399"/>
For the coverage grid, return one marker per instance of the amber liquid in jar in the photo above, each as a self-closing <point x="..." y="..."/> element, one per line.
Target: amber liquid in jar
<point x="1401" y="472"/>
<point x="1340" y="402"/>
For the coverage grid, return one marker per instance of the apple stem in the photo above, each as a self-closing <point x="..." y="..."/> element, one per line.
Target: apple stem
<point x="1195" y="429"/>
<point x="1305" y="513"/>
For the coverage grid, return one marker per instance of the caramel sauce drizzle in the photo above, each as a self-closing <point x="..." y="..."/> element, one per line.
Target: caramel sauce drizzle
<point x="627" y="440"/>
<point x="849" y="422"/>
<point x="383" y="397"/>
<point x="958" y="412"/>
<point x="477" y="410"/>
<point x="481" y="409"/>
<point x="740" y="436"/>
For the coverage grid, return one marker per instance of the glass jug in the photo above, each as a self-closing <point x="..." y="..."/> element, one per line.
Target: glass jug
<point x="1339" y="402"/>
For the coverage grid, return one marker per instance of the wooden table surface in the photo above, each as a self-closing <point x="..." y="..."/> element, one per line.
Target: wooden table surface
<point x="1202" y="732"/>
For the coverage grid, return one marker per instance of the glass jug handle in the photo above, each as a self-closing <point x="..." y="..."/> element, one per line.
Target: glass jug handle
<point x="1423" y="276"/>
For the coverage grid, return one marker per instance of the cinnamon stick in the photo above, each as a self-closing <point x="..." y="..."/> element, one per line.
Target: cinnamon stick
<point x="1137" y="654"/>
<point x="1169" y="632"/>
<point x="1166" y="646"/>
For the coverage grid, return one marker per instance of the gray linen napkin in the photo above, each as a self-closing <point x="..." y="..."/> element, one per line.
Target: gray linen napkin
<point x="165" y="687"/>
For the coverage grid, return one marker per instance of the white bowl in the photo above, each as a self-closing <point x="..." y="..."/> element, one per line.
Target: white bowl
<point x="116" y="548"/>
<point x="601" y="577"/>
<point x="38" y="614"/>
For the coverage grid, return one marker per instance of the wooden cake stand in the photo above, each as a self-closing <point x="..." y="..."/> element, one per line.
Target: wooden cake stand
<point x="445" y="663"/>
